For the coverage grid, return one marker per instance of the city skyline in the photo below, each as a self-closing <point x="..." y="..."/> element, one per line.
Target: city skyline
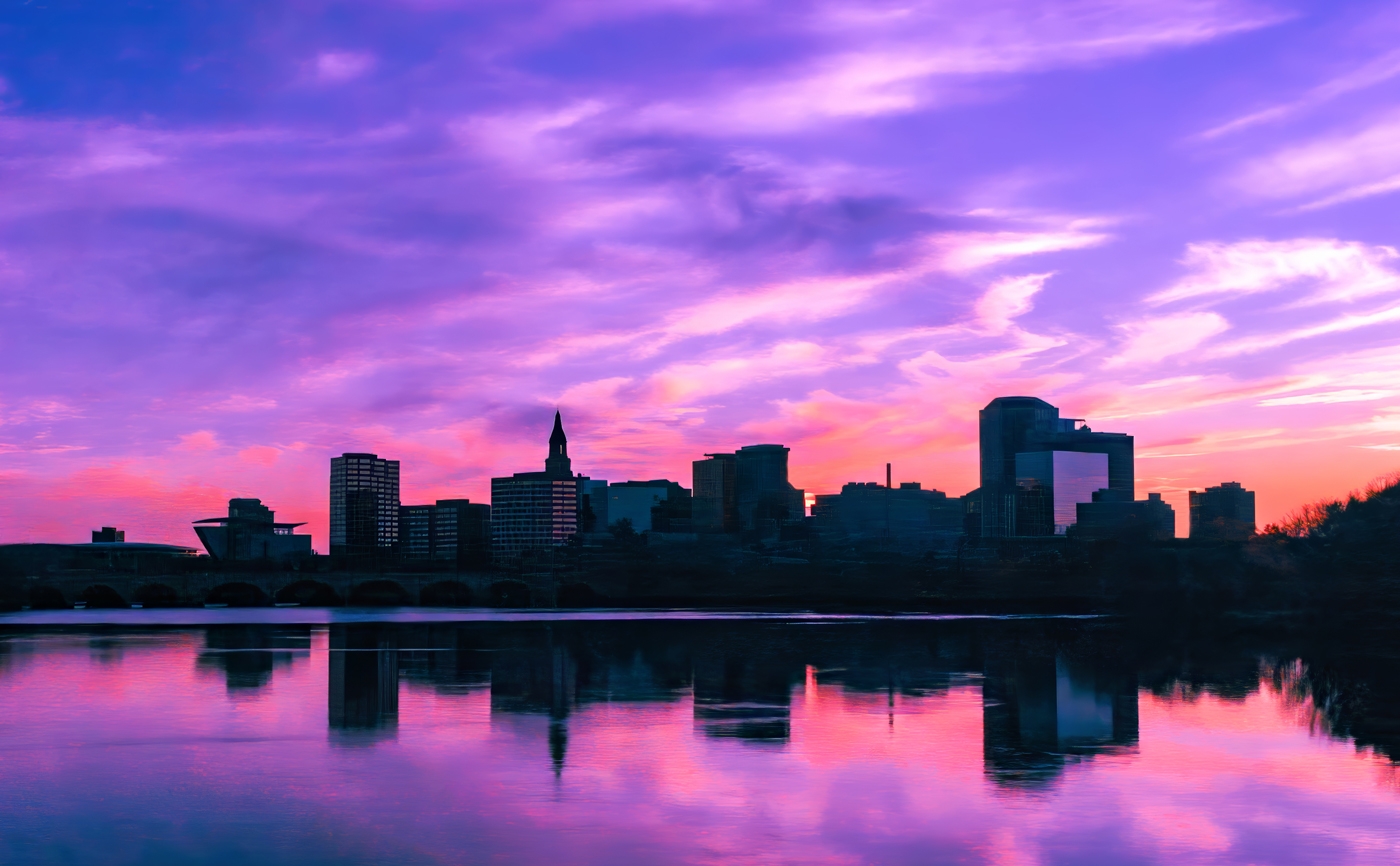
<point x="239" y="242"/>
<point x="1038" y="470"/>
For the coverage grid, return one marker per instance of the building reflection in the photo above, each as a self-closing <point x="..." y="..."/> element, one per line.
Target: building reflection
<point x="1042" y="709"/>
<point x="247" y="655"/>
<point x="364" y="680"/>
<point x="743" y="697"/>
<point x="1044" y="705"/>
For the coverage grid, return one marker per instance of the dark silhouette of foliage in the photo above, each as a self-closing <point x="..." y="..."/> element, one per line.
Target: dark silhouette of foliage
<point x="47" y="598"/>
<point x="578" y="595"/>
<point x="237" y="594"/>
<point x="155" y="595"/>
<point x="309" y="593"/>
<point x="379" y="593"/>
<point x="102" y="595"/>
<point x="446" y="593"/>
<point x="510" y="593"/>
<point x="625" y="535"/>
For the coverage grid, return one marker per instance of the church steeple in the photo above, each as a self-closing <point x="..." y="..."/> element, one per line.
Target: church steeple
<point x="558" y="462"/>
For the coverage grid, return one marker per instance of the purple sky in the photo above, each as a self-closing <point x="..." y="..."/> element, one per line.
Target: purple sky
<point x="239" y="238"/>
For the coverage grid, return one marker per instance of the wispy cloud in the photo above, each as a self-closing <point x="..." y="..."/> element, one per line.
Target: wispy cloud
<point x="1331" y="169"/>
<point x="1008" y="299"/>
<point x="1329" y="270"/>
<point x="1152" y="340"/>
<point x="1373" y="72"/>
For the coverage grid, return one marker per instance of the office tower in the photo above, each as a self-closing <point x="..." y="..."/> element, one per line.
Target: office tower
<point x="535" y="511"/>
<point x="714" y="504"/>
<point x="451" y="530"/>
<point x="416" y="531"/>
<point x="364" y="504"/>
<point x="1111" y="515"/>
<point x="462" y="532"/>
<point x="249" y="532"/>
<point x="1050" y="484"/>
<point x="1009" y="426"/>
<point x="1223" y="513"/>
<point x="763" y="496"/>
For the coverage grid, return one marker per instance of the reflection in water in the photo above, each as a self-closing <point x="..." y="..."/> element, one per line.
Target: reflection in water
<point x="747" y="698"/>
<point x="1043" y="708"/>
<point x="608" y="742"/>
<point x="363" y="691"/>
<point x="248" y="654"/>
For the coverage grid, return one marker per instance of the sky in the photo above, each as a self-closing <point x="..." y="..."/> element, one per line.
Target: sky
<point x="239" y="238"/>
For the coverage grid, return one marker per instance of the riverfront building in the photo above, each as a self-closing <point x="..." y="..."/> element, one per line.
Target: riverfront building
<point x="745" y="491"/>
<point x="249" y="533"/>
<point x="364" y="504"/>
<point x="907" y="515"/>
<point x="536" y="511"/>
<point x="1013" y="426"/>
<point x="1111" y="515"/>
<point x="714" y="504"/>
<point x="1224" y="513"/>
<point x="452" y="530"/>
<point x="651" y="506"/>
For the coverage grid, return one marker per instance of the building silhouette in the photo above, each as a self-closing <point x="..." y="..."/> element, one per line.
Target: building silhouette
<point x="763" y="498"/>
<point x="364" y="504"/>
<point x="906" y="515"/>
<point x="1011" y="426"/>
<point x="714" y="502"/>
<point x="658" y="505"/>
<point x="1223" y="513"/>
<point x="109" y="535"/>
<point x="536" y="511"/>
<point x="1111" y="515"/>
<point x="451" y="530"/>
<point x="249" y="532"/>
<point x="593" y="504"/>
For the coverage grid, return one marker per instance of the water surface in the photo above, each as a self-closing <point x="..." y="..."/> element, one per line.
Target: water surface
<point x="679" y="739"/>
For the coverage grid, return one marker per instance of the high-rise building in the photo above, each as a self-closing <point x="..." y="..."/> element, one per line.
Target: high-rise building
<point x="762" y="494"/>
<point x="452" y="530"/>
<point x="1224" y="513"/>
<point x="364" y="504"/>
<point x="714" y="504"/>
<point x="249" y="532"/>
<point x="536" y="511"/>
<point x="1010" y="426"/>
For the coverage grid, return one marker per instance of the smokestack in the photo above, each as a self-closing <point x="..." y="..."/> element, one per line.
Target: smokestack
<point x="888" y="485"/>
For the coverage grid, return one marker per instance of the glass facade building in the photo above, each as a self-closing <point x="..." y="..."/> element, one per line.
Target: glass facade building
<point x="1011" y="426"/>
<point x="1052" y="484"/>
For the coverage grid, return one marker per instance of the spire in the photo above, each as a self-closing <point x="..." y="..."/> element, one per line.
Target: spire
<point x="558" y="437"/>
<point x="558" y="461"/>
